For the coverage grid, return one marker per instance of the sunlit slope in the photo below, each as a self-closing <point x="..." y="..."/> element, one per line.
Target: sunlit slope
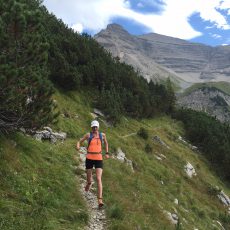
<point x="222" y="86"/>
<point x="38" y="188"/>
<point x="39" y="185"/>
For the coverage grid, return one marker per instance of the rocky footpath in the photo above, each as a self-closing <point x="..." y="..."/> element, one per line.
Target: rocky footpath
<point x="97" y="217"/>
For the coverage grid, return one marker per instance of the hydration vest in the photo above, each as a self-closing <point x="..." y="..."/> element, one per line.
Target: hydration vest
<point x="94" y="149"/>
<point x="91" y="137"/>
<point x="89" y="148"/>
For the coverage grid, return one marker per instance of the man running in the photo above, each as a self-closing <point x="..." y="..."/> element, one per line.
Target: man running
<point x="94" y="157"/>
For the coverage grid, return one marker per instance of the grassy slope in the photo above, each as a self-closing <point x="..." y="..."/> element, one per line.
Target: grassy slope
<point x="39" y="189"/>
<point x="222" y="86"/>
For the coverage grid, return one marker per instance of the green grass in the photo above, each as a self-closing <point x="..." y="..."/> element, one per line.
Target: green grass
<point x="38" y="186"/>
<point x="222" y="86"/>
<point x="39" y="189"/>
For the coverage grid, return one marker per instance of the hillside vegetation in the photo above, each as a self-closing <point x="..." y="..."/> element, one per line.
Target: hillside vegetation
<point x="38" y="52"/>
<point x="222" y="86"/>
<point x="50" y="75"/>
<point x="40" y="190"/>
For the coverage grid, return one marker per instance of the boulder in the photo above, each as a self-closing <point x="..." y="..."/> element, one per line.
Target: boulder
<point x="48" y="129"/>
<point x="158" y="158"/>
<point x="48" y="134"/>
<point x="120" y="155"/>
<point x="180" y="138"/>
<point x="158" y="139"/>
<point x="189" y="169"/>
<point x="172" y="217"/>
<point x="60" y="136"/>
<point x="194" y="148"/>
<point x="98" y="112"/>
<point x="122" y="158"/>
<point x="176" y="201"/>
<point x="224" y="198"/>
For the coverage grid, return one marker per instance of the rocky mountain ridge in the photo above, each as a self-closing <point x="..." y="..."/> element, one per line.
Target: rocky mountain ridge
<point x="209" y="100"/>
<point x="130" y="49"/>
<point x="157" y="56"/>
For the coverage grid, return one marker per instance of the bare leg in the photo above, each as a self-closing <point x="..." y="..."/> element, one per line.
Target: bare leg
<point x="99" y="182"/>
<point x="89" y="179"/>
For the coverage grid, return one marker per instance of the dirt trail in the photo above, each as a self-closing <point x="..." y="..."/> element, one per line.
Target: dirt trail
<point x="97" y="217"/>
<point x="129" y="135"/>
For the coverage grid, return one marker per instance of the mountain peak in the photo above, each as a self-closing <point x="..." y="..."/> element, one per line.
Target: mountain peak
<point x="113" y="29"/>
<point x="115" y="26"/>
<point x="159" y="55"/>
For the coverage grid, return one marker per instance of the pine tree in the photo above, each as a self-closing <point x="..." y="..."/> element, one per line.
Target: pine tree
<point x="110" y="102"/>
<point x="170" y="95"/>
<point x="25" y="92"/>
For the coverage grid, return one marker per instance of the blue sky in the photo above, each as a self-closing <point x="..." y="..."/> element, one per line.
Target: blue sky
<point x="204" y="21"/>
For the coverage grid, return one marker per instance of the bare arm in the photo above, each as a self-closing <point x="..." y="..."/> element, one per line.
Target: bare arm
<point x="82" y="140"/>
<point x="106" y="143"/>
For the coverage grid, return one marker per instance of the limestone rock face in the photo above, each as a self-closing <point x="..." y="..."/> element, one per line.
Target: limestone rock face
<point x="158" y="56"/>
<point x="209" y="100"/>
<point x="133" y="51"/>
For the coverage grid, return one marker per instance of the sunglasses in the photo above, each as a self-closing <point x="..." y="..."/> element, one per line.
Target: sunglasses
<point x="94" y="127"/>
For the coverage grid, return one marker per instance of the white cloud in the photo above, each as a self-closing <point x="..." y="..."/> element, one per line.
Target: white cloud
<point x="216" y="36"/>
<point x="225" y="5"/>
<point x="209" y="27"/>
<point x="209" y="12"/>
<point x="94" y="15"/>
<point x="77" y="27"/>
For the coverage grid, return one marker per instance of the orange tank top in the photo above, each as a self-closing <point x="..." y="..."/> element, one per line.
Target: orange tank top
<point x="94" y="151"/>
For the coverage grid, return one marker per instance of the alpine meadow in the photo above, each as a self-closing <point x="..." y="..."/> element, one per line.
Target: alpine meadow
<point x="168" y="166"/>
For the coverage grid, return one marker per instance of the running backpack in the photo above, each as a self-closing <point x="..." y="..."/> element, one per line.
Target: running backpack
<point x="91" y="137"/>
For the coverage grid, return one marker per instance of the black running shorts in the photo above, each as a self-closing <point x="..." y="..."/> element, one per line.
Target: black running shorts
<point x="96" y="163"/>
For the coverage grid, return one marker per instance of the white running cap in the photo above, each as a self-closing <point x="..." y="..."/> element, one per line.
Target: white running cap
<point x="95" y="123"/>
